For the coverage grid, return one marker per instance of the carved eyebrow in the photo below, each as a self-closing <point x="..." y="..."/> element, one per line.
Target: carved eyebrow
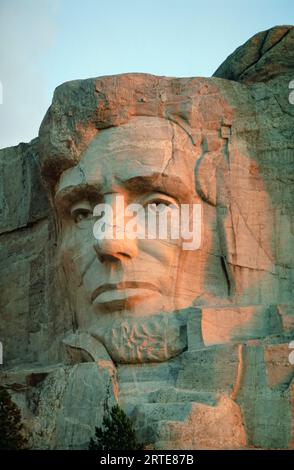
<point x="158" y="182"/>
<point x="70" y="194"/>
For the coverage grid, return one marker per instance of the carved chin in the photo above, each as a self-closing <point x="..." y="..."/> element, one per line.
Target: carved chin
<point x="150" y="339"/>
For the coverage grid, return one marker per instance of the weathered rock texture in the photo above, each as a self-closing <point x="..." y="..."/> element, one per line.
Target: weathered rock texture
<point x="208" y="366"/>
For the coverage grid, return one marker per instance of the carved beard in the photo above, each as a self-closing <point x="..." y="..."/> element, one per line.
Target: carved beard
<point x="146" y="339"/>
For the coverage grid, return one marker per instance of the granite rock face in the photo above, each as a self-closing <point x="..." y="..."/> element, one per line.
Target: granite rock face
<point x="266" y="55"/>
<point x="199" y="357"/>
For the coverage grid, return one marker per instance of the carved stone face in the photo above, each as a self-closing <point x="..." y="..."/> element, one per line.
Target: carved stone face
<point x="116" y="285"/>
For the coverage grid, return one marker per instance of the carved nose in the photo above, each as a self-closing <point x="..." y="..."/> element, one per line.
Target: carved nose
<point x="115" y="245"/>
<point x="115" y="250"/>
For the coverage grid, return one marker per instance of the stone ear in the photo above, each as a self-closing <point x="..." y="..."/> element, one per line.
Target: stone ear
<point x="211" y="178"/>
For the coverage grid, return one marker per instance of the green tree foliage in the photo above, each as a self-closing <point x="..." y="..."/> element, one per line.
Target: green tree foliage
<point x="116" y="433"/>
<point x="11" y="437"/>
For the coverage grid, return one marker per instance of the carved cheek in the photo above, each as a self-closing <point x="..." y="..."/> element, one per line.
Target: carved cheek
<point x="76" y="248"/>
<point x="162" y="251"/>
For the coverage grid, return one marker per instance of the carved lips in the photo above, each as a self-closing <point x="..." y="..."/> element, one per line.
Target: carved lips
<point x="122" y="290"/>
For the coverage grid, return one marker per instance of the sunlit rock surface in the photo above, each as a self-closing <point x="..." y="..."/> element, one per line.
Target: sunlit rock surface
<point x="205" y="363"/>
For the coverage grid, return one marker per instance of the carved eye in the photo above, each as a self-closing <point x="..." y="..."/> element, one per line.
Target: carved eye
<point x="81" y="211"/>
<point x="81" y="214"/>
<point x="158" y="205"/>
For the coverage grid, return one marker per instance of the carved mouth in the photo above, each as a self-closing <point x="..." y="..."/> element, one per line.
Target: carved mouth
<point x="122" y="286"/>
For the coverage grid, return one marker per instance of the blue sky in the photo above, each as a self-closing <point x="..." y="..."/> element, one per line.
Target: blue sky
<point x="46" y="42"/>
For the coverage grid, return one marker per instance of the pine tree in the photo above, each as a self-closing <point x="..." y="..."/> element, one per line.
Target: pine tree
<point x="116" y="433"/>
<point x="11" y="437"/>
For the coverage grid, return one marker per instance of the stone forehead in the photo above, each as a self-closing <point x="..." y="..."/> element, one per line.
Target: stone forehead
<point x="142" y="131"/>
<point x="142" y="146"/>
